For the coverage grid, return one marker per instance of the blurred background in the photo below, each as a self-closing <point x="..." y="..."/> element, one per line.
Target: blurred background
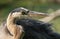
<point x="46" y="6"/>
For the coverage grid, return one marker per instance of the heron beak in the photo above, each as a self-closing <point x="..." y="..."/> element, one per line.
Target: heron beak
<point x="34" y="13"/>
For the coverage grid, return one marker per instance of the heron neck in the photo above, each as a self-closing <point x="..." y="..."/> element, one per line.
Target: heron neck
<point x="10" y="25"/>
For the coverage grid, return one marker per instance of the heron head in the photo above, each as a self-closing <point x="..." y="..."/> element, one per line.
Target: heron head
<point x="18" y="12"/>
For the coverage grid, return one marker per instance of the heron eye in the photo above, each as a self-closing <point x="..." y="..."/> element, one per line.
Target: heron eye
<point x="24" y="13"/>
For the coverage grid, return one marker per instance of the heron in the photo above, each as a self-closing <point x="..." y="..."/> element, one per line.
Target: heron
<point x="13" y="27"/>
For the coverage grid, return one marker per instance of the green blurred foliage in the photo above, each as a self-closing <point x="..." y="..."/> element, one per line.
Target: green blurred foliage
<point x="5" y="1"/>
<point x="46" y="6"/>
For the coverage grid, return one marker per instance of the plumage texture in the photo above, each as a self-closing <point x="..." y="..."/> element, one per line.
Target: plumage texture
<point x="37" y="29"/>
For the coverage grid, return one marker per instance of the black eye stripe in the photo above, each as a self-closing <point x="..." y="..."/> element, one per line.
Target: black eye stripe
<point x="16" y="10"/>
<point x="23" y="10"/>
